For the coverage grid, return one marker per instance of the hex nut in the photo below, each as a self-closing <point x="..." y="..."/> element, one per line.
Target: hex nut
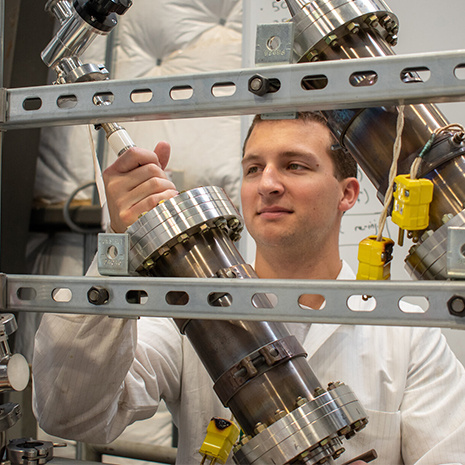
<point x="98" y="295"/>
<point x="456" y="305"/>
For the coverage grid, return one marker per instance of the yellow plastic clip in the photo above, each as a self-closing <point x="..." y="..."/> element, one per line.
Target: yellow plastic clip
<point x="374" y="258"/>
<point x="221" y="436"/>
<point x="412" y="198"/>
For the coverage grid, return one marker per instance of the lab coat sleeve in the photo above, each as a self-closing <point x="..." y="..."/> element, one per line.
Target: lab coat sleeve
<point x="93" y="375"/>
<point x="433" y="406"/>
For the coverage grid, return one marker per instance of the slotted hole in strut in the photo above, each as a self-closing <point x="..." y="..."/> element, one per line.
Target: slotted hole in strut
<point x="137" y="296"/>
<point x="62" y="294"/>
<point x="32" y="103"/>
<point x="361" y="303"/>
<point x="177" y="298"/>
<point x="414" y="304"/>
<point x="363" y="79"/>
<point x="415" y="75"/>
<point x="459" y="71"/>
<point x="306" y="297"/>
<point x="103" y="98"/>
<point x="318" y="81"/>
<point x="220" y="299"/>
<point x="26" y="293"/>
<point x="223" y="89"/>
<point x="141" y="96"/>
<point x="267" y="300"/>
<point x="181" y="92"/>
<point x="67" y="101"/>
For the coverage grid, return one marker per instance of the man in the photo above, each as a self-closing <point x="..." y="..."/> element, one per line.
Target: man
<point x="107" y="373"/>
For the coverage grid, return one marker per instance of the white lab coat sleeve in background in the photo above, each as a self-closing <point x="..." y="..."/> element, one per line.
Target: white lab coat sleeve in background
<point x="95" y="375"/>
<point x="92" y="377"/>
<point x="433" y="405"/>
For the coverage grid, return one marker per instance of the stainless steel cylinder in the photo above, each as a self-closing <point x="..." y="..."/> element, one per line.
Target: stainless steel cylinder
<point x="348" y="29"/>
<point x="258" y="369"/>
<point x="72" y="39"/>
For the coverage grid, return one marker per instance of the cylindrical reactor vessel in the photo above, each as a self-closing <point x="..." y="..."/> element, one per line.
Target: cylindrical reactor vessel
<point x="259" y="370"/>
<point x="347" y="29"/>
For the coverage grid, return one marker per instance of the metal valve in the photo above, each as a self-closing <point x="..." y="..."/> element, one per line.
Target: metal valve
<point x="14" y="369"/>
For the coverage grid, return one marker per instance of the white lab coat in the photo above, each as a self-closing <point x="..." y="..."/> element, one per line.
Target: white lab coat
<point x="95" y="375"/>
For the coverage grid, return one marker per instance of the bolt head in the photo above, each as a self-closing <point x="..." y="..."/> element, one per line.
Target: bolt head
<point x="456" y="305"/>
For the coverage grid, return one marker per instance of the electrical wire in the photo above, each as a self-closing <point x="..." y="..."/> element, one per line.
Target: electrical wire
<point x="415" y="167"/>
<point x="67" y="214"/>
<point x="392" y="171"/>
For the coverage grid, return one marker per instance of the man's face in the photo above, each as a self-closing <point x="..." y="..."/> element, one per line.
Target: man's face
<point x="290" y="196"/>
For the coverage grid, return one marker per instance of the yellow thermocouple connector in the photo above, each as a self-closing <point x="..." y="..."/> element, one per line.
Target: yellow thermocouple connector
<point x="374" y="258"/>
<point x="412" y="198"/>
<point x="221" y="436"/>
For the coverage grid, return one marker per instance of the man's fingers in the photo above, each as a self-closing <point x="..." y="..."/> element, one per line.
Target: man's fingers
<point x="163" y="151"/>
<point x="136" y="156"/>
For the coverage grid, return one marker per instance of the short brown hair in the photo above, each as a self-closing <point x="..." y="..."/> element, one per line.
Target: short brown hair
<point x="344" y="164"/>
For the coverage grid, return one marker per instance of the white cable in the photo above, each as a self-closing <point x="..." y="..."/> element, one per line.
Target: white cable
<point x="392" y="172"/>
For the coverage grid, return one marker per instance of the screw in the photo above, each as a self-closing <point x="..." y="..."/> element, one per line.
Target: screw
<point x="456" y="305"/>
<point x="387" y="22"/>
<point x="300" y="401"/>
<point x="338" y="453"/>
<point x="279" y="414"/>
<point x="372" y="21"/>
<point x="353" y="28"/>
<point x="345" y="430"/>
<point x="183" y="237"/>
<point x="233" y="223"/>
<point x="334" y="385"/>
<point x="392" y="39"/>
<point x="312" y="55"/>
<point x="255" y="84"/>
<point x="259" y="427"/>
<point x="446" y="218"/>
<point x="97" y="295"/>
<point x="331" y="40"/>
<point x="318" y="392"/>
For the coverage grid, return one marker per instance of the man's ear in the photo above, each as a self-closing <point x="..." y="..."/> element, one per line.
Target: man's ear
<point x="350" y="190"/>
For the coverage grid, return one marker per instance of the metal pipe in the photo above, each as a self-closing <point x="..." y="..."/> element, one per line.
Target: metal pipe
<point x="258" y="369"/>
<point x="340" y="29"/>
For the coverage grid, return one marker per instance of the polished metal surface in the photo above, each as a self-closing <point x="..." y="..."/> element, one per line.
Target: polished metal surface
<point x="257" y="367"/>
<point x="176" y="220"/>
<point x="322" y="421"/>
<point x="329" y="30"/>
<point x="428" y="260"/>
<point x="324" y="24"/>
<point x="72" y="39"/>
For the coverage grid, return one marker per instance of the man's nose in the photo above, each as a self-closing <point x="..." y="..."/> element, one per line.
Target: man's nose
<point x="270" y="181"/>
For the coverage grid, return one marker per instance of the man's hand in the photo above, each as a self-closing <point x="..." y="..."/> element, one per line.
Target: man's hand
<point x="135" y="183"/>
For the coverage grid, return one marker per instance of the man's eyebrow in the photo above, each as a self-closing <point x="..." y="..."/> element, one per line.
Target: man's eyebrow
<point x="250" y="157"/>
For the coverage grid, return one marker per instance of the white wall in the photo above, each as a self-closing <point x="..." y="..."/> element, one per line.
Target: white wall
<point x="425" y="26"/>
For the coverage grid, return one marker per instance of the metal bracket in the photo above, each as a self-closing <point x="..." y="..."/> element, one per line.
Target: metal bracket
<point x="387" y="301"/>
<point x="455" y="252"/>
<point x="444" y="85"/>
<point x="113" y="254"/>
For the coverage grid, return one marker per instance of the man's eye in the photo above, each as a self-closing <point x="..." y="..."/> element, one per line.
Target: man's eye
<point x="252" y="170"/>
<point x="295" y="166"/>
